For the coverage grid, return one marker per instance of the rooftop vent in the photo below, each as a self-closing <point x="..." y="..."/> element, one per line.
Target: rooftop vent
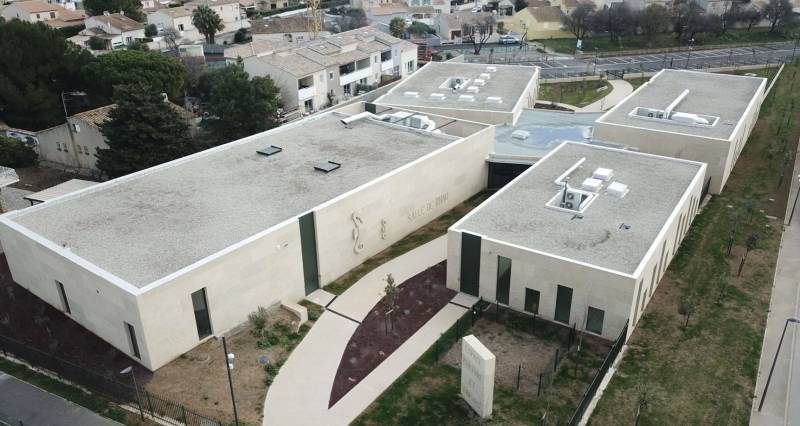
<point x="494" y="100"/>
<point x="411" y="94"/>
<point x="270" y="150"/>
<point x="454" y="83"/>
<point x="592" y="184"/>
<point x="466" y="98"/>
<point x="520" y="134"/>
<point x="618" y="189"/>
<point x="491" y="69"/>
<point x="437" y="96"/>
<point x="485" y="76"/>
<point x="327" y="166"/>
<point x="473" y="89"/>
<point x="603" y="174"/>
<point x="479" y="82"/>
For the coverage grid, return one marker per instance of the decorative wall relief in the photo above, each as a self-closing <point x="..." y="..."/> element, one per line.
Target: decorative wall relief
<point x="358" y="229"/>
<point x="383" y="229"/>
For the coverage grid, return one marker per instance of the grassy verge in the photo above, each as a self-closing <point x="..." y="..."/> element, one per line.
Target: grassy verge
<point x="71" y="393"/>
<point x="428" y="393"/>
<point x="425" y="234"/>
<point x="636" y="82"/>
<point x="633" y="42"/>
<point x="705" y="373"/>
<point x="576" y="93"/>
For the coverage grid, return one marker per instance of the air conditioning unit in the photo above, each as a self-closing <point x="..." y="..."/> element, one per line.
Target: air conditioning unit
<point x="466" y="98"/>
<point x="479" y="82"/>
<point x="485" y="76"/>
<point x="520" y="134"/>
<point x="603" y="174"/>
<point x="592" y="184"/>
<point x="617" y="189"/>
<point x="473" y="89"/>
<point x="572" y="200"/>
<point x="437" y="96"/>
<point x="494" y="100"/>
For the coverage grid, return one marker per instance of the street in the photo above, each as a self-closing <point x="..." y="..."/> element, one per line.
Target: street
<point x="557" y="66"/>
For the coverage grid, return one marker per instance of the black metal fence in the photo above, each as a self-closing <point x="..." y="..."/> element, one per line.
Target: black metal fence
<point x="590" y="391"/>
<point x="108" y="387"/>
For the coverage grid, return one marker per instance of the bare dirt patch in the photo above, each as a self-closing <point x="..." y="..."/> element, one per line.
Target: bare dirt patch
<point x="38" y="178"/>
<point x="418" y="300"/>
<point x="516" y="352"/>
<point x="199" y="379"/>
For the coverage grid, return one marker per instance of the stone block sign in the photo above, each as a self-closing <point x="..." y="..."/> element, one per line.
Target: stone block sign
<point x="477" y="375"/>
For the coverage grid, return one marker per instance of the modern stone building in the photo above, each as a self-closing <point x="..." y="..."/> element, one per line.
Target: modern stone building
<point x="688" y="114"/>
<point x="160" y="260"/>
<point x="581" y="238"/>
<point x="493" y="94"/>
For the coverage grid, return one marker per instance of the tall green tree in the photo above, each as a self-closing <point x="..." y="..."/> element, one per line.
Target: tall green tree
<point x="36" y="65"/>
<point x="397" y="26"/>
<point x="207" y="22"/>
<point x="580" y="20"/>
<point x="779" y="13"/>
<point x="157" y="70"/>
<point x="237" y="105"/>
<point x="142" y="131"/>
<point x="653" y="19"/>
<point x="132" y="8"/>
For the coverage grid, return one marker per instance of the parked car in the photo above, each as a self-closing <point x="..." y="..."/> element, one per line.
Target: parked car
<point x="477" y="8"/>
<point x="509" y="39"/>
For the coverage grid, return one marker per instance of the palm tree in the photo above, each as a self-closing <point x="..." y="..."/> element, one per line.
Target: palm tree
<point x="207" y="22"/>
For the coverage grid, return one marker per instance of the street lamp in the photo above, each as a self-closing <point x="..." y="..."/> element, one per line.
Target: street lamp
<point x="777" y="351"/>
<point x="229" y="366"/>
<point x="795" y="202"/>
<point x="129" y="370"/>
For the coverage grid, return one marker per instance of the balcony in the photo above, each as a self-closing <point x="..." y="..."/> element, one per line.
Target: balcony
<point x="305" y="93"/>
<point x="355" y="76"/>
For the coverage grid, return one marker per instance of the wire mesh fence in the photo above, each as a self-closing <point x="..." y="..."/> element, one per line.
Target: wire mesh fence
<point x="108" y="387"/>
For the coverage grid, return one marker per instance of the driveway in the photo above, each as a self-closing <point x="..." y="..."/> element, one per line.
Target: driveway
<point x="22" y="403"/>
<point x="301" y="391"/>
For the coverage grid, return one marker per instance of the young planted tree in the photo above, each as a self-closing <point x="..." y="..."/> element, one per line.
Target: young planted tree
<point x="686" y="308"/>
<point x="142" y="131"/>
<point x="751" y="16"/>
<point x="579" y="22"/>
<point x="750" y="244"/>
<point x="397" y="27"/>
<point x="478" y="33"/>
<point x="391" y="291"/>
<point x="237" y="105"/>
<point x="207" y="22"/>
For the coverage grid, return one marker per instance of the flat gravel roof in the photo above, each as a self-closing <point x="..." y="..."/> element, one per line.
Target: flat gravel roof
<point x="508" y="83"/>
<point x="145" y="227"/>
<point x="517" y="213"/>
<point x="721" y="95"/>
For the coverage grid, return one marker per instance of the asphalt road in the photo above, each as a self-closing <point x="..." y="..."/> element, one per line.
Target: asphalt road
<point x="554" y="66"/>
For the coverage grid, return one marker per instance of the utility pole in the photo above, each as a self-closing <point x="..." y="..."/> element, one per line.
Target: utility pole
<point x="229" y="366"/>
<point x="772" y="369"/>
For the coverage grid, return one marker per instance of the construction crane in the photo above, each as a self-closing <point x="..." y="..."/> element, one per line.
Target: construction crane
<point x="314" y="21"/>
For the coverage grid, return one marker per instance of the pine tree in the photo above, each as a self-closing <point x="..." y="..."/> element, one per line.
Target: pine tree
<point x="142" y="131"/>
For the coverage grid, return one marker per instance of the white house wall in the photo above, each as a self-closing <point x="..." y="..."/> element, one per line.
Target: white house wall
<point x="404" y="201"/>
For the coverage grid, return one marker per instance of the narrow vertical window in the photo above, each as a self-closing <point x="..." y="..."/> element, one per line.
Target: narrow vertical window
<point x="503" y="279"/>
<point x="63" y="295"/>
<point x="132" y="340"/>
<point x="594" y="320"/>
<point x="200" y="304"/>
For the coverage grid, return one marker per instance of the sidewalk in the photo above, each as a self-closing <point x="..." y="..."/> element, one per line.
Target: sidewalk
<point x="620" y="89"/>
<point x="781" y="406"/>
<point x="22" y="402"/>
<point x="301" y="391"/>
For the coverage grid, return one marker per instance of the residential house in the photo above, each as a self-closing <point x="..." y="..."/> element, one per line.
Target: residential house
<point x="537" y="23"/>
<point x="115" y="29"/>
<point x="180" y="18"/>
<point x="715" y="7"/>
<point x="450" y="26"/>
<point x="321" y="72"/>
<point x="291" y="29"/>
<point x="74" y="144"/>
<point x="53" y="15"/>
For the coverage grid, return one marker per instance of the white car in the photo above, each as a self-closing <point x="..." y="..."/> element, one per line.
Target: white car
<point x="477" y="9"/>
<point x="509" y="39"/>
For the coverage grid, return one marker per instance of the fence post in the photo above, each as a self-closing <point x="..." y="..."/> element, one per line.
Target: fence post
<point x="149" y="403"/>
<point x="436" y="350"/>
<point x="519" y="372"/>
<point x="539" y="386"/>
<point x="185" y="419"/>
<point x="555" y="362"/>
<point x="458" y="328"/>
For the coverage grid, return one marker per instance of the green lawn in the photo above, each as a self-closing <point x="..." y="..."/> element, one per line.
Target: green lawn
<point x="576" y="93"/>
<point x="636" y="82"/>
<point x="632" y="42"/>
<point x="71" y="393"/>
<point x="705" y="373"/>
<point x="427" y="233"/>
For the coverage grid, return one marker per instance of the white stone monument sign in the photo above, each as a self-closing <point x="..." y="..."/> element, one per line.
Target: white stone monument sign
<point x="477" y="375"/>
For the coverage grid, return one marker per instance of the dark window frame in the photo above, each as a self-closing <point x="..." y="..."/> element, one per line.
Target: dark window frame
<point x="62" y="293"/>
<point x="204" y="329"/>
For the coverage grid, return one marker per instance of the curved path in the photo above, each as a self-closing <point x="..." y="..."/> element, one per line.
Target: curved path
<point x="301" y="391"/>
<point x="621" y="89"/>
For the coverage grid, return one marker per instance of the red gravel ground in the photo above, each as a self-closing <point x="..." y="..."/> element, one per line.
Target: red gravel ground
<point x="27" y="319"/>
<point x="418" y="300"/>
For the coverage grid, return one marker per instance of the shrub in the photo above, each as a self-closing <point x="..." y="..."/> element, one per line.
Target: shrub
<point x="241" y="36"/>
<point x="258" y="321"/>
<point x="96" y="43"/>
<point x="15" y="153"/>
<point x="150" y="30"/>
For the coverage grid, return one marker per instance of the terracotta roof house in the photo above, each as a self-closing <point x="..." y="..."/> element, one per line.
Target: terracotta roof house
<point x="537" y="23"/>
<point x="52" y="15"/>
<point x="115" y="29"/>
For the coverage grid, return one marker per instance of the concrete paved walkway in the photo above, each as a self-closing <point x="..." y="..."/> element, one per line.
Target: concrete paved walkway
<point x="621" y="89"/>
<point x="301" y="391"/>
<point x="23" y="402"/>
<point x="782" y="403"/>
